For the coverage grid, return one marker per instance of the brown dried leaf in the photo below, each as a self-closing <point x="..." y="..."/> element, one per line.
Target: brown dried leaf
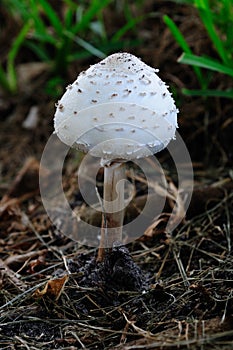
<point x="150" y="231"/>
<point x="40" y="261"/>
<point x="53" y="288"/>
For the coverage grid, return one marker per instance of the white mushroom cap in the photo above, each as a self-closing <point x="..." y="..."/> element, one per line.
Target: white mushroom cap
<point x="117" y="109"/>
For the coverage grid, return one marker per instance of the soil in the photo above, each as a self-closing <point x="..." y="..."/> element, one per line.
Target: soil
<point x="161" y="291"/>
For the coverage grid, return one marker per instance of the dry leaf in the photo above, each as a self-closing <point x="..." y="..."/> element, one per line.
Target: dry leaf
<point x="151" y="230"/>
<point x="53" y="288"/>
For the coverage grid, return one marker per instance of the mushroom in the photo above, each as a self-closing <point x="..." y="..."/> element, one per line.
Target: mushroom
<point x="118" y="110"/>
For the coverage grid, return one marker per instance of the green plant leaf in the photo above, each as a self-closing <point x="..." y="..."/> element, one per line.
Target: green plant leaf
<point x="184" y="45"/>
<point x="68" y="19"/>
<point x="52" y="16"/>
<point x="106" y="48"/>
<point x="4" y="81"/>
<point x="129" y="25"/>
<point x="177" y="34"/>
<point x="95" y="7"/>
<point x="205" y="62"/>
<point x="206" y="15"/>
<point x="17" y="6"/>
<point x="86" y="45"/>
<point x="209" y="93"/>
<point x="38" y="50"/>
<point x="45" y="38"/>
<point x="34" y="12"/>
<point x="11" y="73"/>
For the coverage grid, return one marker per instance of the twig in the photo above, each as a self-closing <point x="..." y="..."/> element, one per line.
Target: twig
<point x="20" y="296"/>
<point x="226" y="304"/>
<point x="139" y="330"/>
<point x="158" y="274"/>
<point x="181" y="268"/>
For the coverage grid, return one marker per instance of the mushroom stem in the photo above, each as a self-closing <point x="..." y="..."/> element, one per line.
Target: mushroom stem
<point x="113" y="216"/>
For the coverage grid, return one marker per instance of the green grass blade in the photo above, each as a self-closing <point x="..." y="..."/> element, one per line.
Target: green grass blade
<point x="227" y="16"/>
<point x="38" y="50"/>
<point x="106" y="48"/>
<point x="177" y="34"/>
<point x="225" y="24"/>
<point x="205" y="13"/>
<point x="17" y="6"/>
<point x="87" y="46"/>
<point x="204" y="62"/>
<point x="11" y="72"/>
<point x="34" y="12"/>
<point x="129" y="25"/>
<point x="209" y="93"/>
<point x="183" y="44"/>
<point x="52" y="16"/>
<point x="3" y="80"/>
<point x="70" y="3"/>
<point x="68" y="19"/>
<point x="95" y="7"/>
<point x="45" y="38"/>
